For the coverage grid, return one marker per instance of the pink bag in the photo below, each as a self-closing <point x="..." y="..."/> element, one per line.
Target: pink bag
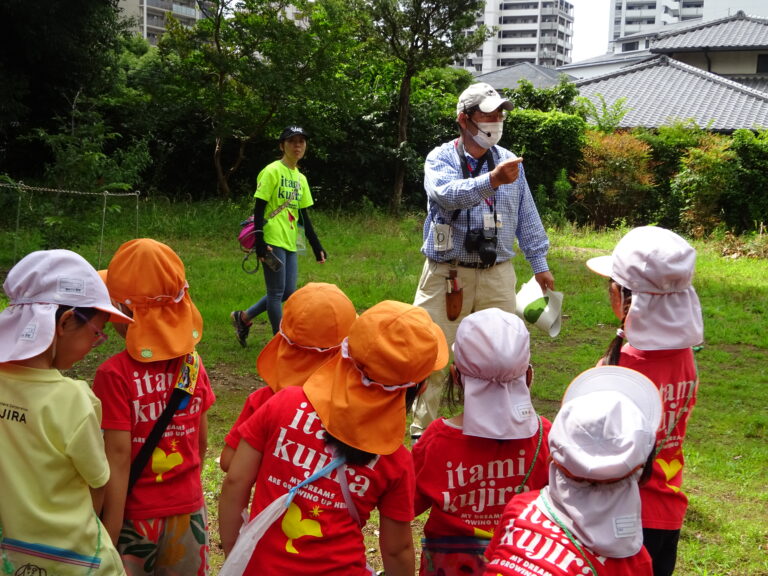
<point x="247" y="236"/>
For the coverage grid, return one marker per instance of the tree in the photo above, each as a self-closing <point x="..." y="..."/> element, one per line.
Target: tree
<point x="253" y="68"/>
<point x="52" y="54"/>
<point x="423" y="34"/>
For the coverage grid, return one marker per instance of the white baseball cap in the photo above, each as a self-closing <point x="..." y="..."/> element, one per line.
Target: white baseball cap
<point x="36" y="286"/>
<point x="492" y="353"/>
<point x="483" y="96"/>
<point x="606" y="427"/>
<point x="657" y="265"/>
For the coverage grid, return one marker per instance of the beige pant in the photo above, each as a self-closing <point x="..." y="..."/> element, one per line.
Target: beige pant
<point x="482" y="288"/>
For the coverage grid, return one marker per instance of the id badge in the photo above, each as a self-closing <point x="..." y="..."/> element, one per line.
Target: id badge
<point x="442" y="235"/>
<point x="489" y="222"/>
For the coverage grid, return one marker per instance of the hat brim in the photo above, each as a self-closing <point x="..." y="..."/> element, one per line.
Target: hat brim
<point x="281" y="365"/>
<point x="164" y="332"/>
<point x="602" y="265"/>
<point x="635" y="386"/>
<point x="368" y="418"/>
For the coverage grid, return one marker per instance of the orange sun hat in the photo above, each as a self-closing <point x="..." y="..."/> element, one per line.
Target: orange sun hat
<point x="316" y="319"/>
<point x="360" y="394"/>
<point x="148" y="277"/>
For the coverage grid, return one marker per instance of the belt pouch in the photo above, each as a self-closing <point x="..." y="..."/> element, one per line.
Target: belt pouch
<point x="454" y="295"/>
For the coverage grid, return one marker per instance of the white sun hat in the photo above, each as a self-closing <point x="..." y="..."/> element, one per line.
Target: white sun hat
<point x="657" y="265"/>
<point x="40" y="283"/>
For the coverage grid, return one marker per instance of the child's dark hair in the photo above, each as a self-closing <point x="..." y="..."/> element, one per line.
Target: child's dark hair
<point x="411" y="393"/>
<point x="352" y="455"/>
<point x="613" y="353"/>
<point x="453" y="389"/>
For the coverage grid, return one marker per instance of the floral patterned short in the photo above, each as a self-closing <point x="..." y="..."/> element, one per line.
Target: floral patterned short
<point x="170" y="546"/>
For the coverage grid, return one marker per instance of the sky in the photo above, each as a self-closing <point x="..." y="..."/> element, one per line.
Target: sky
<point x="590" y="28"/>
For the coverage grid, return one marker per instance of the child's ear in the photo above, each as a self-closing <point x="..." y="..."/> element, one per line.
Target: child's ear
<point x="66" y="318"/>
<point x="529" y="376"/>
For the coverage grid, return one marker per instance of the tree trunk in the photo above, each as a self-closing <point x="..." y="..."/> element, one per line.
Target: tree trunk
<point x="222" y="179"/>
<point x="404" y="110"/>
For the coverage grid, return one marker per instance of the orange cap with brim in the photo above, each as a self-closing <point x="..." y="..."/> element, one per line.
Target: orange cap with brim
<point x="149" y="278"/>
<point x="316" y="318"/>
<point x="359" y="395"/>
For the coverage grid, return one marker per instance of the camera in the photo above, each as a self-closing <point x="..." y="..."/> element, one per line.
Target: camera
<point x="483" y="241"/>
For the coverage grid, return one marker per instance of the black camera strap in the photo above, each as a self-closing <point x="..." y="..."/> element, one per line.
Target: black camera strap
<point x="486" y="158"/>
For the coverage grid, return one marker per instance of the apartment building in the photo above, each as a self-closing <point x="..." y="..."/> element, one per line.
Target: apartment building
<point x="533" y="31"/>
<point x="629" y="17"/>
<point x="150" y="15"/>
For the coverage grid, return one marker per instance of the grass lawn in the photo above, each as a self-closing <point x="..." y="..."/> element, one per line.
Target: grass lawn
<point x="375" y="257"/>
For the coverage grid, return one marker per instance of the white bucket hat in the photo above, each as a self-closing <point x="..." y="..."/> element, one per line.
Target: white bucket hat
<point x="657" y="265"/>
<point x="492" y="353"/>
<point x="38" y="284"/>
<point x="599" y="442"/>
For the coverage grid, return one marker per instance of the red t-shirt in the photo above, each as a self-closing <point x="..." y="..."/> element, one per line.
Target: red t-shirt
<point x="252" y="403"/>
<point x="467" y="481"/>
<point x="133" y="395"/>
<point x="527" y="543"/>
<point x="318" y="530"/>
<point x="674" y="373"/>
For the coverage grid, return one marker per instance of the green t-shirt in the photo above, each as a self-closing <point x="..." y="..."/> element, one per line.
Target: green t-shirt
<point x="277" y="183"/>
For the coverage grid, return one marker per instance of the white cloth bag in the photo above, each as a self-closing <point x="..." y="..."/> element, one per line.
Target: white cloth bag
<point x="542" y="310"/>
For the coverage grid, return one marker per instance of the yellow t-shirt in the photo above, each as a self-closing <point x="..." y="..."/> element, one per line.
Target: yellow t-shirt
<point x="52" y="452"/>
<point x="277" y="183"/>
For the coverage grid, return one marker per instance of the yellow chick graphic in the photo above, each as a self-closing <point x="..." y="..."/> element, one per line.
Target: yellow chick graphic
<point x="162" y="462"/>
<point x="294" y="527"/>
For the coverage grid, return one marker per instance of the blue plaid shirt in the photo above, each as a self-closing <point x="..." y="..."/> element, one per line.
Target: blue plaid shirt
<point x="448" y="191"/>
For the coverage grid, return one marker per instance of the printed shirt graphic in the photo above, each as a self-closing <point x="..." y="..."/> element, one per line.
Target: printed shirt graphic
<point x="52" y="451"/>
<point x="133" y="395"/>
<point x="467" y="481"/>
<point x="275" y="184"/>
<point x="252" y="403"/>
<point x="529" y="543"/>
<point x="674" y="373"/>
<point x="317" y="530"/>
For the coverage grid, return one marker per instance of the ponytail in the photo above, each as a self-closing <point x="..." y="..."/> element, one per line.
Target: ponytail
<point x="613" y="353"/>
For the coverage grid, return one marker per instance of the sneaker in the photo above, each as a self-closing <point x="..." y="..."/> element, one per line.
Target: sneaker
<point x="241" y="328"/>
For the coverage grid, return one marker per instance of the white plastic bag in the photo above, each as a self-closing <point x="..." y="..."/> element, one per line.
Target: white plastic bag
<point x="542" y="310"/>
<point x="249" y="536"/>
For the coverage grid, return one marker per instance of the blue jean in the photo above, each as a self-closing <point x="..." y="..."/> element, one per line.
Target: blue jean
<point x="280" y="285"/>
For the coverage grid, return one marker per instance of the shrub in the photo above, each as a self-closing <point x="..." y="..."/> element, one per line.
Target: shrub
<point x="550" y="142"/>
<point x="746" y="207"/>
<point x="615" y="178"/>
<point x="707" y="178"/>
<point x="669" y="144"/>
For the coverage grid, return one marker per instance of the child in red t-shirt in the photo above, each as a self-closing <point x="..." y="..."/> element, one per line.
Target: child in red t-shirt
<point x="587" y="520"/>
<point x="349" y="414"/>
<point x="650" y="274"/>
<point x="316" y="319"/>
<point x="470" y="465"/>
<point x="159" y="524"/>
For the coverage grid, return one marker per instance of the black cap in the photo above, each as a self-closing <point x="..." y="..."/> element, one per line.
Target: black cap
<point x="293" y="131"/>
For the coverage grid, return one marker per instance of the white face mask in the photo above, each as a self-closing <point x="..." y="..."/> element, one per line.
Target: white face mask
<point x="488" y="134"/>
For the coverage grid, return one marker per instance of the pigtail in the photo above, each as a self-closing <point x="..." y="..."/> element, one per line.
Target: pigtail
<point x="453" y="389"/>
<point x="613" y="353"/>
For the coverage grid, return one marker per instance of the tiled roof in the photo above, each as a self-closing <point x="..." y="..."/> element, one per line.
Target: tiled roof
<point x="662" y="90"/>
<point x="754" y="81"/>
<point x="737" y="32"/>
<point x="624" y="58"/>
<point x="539" y="76"/>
